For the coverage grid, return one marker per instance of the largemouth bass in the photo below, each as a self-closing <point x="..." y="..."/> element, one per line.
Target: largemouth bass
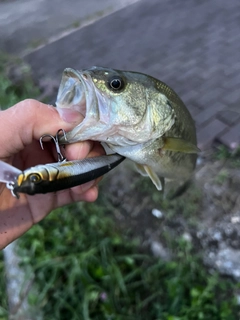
<point x="136" y="115"/>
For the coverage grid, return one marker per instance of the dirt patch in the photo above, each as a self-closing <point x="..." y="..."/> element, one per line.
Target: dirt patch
<point x="207" y="214"/>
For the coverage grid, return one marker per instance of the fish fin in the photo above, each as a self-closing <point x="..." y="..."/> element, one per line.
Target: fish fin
<point x="147" y="171"/>
<point x="140" y="168"/>
<point x="154" y="177"/>
<point x="179" y="145"/>
<point x="163" y="184"/>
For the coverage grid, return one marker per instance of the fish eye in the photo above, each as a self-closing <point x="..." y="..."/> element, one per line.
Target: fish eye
<point x="116" y="83"/>
<point x="35" y="178"/>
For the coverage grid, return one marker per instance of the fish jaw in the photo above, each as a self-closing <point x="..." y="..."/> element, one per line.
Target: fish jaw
<point x="77" y="95"/>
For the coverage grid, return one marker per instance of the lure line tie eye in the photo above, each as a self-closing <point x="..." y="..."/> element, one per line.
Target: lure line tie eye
<point x="10" y="186"/>
<point x="61" y="158"/>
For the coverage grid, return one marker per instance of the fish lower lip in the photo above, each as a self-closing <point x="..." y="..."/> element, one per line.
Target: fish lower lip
<point x="73" y="112"/>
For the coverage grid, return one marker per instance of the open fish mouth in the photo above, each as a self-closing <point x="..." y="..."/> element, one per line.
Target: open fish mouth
<point x="78" y="95"/>
<point x="75" y="94"/>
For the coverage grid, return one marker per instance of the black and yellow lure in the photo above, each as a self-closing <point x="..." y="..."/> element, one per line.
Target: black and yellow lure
<point x="57" y="176"/>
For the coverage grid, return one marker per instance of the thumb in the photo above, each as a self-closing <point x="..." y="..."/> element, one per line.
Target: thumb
<point x="26" y="121"/>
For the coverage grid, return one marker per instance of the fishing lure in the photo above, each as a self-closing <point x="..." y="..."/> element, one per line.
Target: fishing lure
<point x="57" y="176"/>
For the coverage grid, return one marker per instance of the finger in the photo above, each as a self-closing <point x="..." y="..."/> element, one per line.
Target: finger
<point x="33" y="155"/>
<point x="41" y="204"/>
<point x="97" y="150"/>
<point x="28" y="120"/>
<point x="79" y="150"/>
<point x="68" y="196"/>
<point x="84" y="187"/>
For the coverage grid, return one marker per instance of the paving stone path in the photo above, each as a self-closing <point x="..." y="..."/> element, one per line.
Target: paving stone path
<point x="194" y="46"/>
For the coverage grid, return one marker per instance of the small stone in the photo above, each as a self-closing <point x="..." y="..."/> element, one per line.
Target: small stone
<point x="159" y="251"/>
<point x="235" y="219"/>
<point x="157" y="213"/>
<point x="187" y="237"/>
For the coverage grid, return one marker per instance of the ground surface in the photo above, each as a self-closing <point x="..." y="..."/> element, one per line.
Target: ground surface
<point x="207" y="214"/>
<point x="194" y="47"/>
<point x="27" y="24"/>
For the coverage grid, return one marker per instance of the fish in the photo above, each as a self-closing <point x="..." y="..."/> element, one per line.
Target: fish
<point x="52" y="177"/>
<point x="135" y="115"/>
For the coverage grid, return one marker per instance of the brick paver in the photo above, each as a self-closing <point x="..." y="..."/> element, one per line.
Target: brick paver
<point x="192" y="45"/>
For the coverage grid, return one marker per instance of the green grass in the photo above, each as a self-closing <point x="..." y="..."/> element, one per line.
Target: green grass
<point x="17" y="87"/>
<point x="86" y="269"/>
<point x="232" y="156"/>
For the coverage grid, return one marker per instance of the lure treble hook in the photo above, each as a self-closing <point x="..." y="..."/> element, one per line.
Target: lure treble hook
<point x="61" y="158"/>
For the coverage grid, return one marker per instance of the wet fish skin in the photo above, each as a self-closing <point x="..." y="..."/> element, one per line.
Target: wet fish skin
<point x="136" y="115"/>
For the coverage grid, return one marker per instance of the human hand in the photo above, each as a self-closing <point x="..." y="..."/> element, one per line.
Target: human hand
<point x="21" y="127"/>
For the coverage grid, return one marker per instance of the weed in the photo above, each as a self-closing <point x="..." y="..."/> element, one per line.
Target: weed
<point x="233" y="157"/>
<point x="223" y="153"/>
<point x="76" y="24"/>
<point x="36" y="43"/>
<point x="86" y="269"/>
<point x="222" y="176"/>
<point x="16" y="82"/>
